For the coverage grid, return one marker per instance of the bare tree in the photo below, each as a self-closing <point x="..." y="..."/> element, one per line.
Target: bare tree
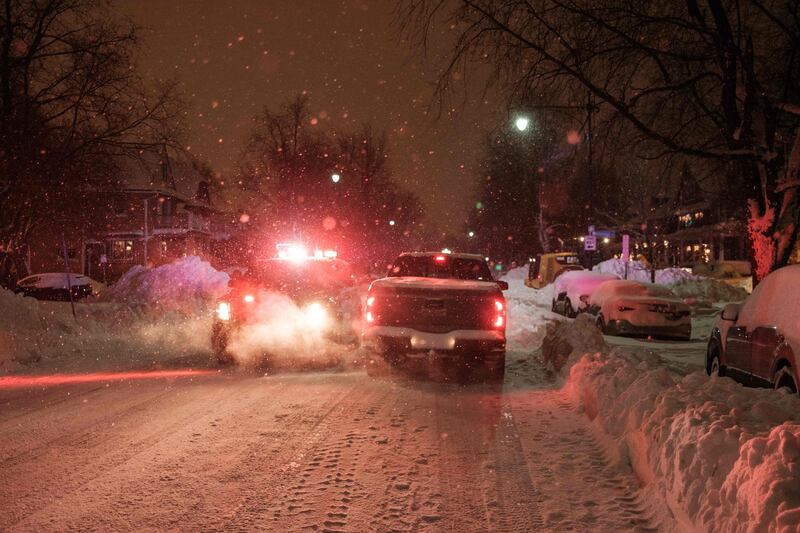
<point x="71" y="101"/>
<point x="712" y="81"/>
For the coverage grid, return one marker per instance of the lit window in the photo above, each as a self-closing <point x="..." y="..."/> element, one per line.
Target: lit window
<point x="122" y="250"/>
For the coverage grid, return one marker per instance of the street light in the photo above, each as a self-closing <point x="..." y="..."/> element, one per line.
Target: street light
<point x="522" y="123"/>
<point x="471" y="233"/>
<point x="335" y="177"/>
<point x="391" y="222"/>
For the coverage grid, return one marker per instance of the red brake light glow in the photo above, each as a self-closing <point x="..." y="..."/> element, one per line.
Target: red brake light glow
<point x="249" y="298"/>
<point x="440" y="259"/>
<point x="500" y="314"/>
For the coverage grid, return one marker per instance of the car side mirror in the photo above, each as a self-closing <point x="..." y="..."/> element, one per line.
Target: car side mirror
<point x="503" y="285"/>
<point x="730" y="312"/>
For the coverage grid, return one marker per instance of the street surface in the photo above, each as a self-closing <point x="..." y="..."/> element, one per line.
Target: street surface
<point x="315" y="451"/>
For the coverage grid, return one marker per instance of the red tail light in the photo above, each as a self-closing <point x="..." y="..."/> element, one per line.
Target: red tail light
<point x="440" y="259"/>
<point x="500" y="314"/>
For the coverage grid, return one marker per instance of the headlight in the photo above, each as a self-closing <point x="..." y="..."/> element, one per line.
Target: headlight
<point x="316" y="315"/>
<point x="224" y="311"/>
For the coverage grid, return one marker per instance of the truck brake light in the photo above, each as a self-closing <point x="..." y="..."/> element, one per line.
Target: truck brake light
<point x="500" y="314"/>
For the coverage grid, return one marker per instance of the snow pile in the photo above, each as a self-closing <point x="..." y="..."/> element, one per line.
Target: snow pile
<point x="528" y="315"/>
<point x="639" y="272"/>
<point x="517" y="274"/>
<point x="174" y="285"/>
<point x="708" y="289"/>
<point x="564" y="342"/>
<point x="723" y="457"/>
<point x="44" y="335"/>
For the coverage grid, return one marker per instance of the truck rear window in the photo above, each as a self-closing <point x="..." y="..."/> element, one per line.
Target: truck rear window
<point x="450" y="267"/>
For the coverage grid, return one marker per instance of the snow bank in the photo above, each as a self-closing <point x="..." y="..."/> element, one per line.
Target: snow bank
<point x="637" y="271"/>
<point x="517" y="274"/>
<point x="708" y="289"/>
<point x="43" y="336"/>
<point x="721" y="456"/>
<point x="564" y="342"/>
<point x="528" y="314"/>
<point x="174" y="285"/>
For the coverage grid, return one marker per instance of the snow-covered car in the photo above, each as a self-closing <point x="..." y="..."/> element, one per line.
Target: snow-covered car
<point x="55" y="286"/>
<point x="445" y="303"/>
<point x="633" y="308"/>
<point x="572" y="290"/>
<point x="757" y="343"/>
<point x="317" y="295"/>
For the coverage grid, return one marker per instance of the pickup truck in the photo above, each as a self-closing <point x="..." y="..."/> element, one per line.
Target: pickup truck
<point x="442" y="304"/>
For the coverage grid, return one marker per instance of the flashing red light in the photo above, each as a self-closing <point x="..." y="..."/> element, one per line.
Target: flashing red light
<point x="440" y="259"/>
<point x="370" y="317"/>
<point x="249" y="298"/>
<point x="499" y="321"/>
<point x="370" y="301"/>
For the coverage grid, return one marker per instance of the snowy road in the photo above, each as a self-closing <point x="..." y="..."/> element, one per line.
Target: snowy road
<point x="315" y="451"/>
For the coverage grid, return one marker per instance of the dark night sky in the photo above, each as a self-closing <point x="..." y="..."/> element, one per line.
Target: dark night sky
<point x="237" y="56"/>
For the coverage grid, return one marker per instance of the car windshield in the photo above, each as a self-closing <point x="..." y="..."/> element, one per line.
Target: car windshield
<point x="441" y="266"/>
<point x="314" y="275"/>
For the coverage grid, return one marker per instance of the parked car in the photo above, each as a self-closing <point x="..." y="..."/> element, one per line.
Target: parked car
<point x="633" y="308"/>
<point x="572" y="290"/>
<point x="444" y="303"/>
<point x="54" y="286"/>
<point x="757" y="343"/>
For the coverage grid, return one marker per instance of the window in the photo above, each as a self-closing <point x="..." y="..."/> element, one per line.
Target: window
<point x="122" y="250"/>
<point x="441" y="266"/>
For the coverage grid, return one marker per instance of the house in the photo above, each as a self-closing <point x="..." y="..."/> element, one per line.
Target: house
<point x="145" y="221"/>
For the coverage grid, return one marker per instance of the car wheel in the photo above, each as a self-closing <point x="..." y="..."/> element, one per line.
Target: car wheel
<point x="568" y="311"/>
<point x="600" y="323"/>
<point x="784" y="379"/>
<point x="713" y="360"/>
<point x="496" y="368"/>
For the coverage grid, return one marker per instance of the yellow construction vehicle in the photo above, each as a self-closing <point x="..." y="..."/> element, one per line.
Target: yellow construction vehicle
<point x="547" y="267"/>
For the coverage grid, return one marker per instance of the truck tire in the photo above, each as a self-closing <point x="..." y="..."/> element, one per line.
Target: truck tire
<point x="495" y="367"/>
<point x="219" y="345"/>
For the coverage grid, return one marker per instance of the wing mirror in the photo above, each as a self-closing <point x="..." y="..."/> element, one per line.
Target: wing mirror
<point x="503" y="285"/>
<point x="730" y="312"/>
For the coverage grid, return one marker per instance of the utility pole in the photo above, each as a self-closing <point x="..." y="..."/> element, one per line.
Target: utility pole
<point x="590" y="169"/>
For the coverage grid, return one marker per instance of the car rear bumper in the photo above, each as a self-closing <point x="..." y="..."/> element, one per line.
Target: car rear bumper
<point x="453" y="342"/>
<point x="624" y="327"/>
